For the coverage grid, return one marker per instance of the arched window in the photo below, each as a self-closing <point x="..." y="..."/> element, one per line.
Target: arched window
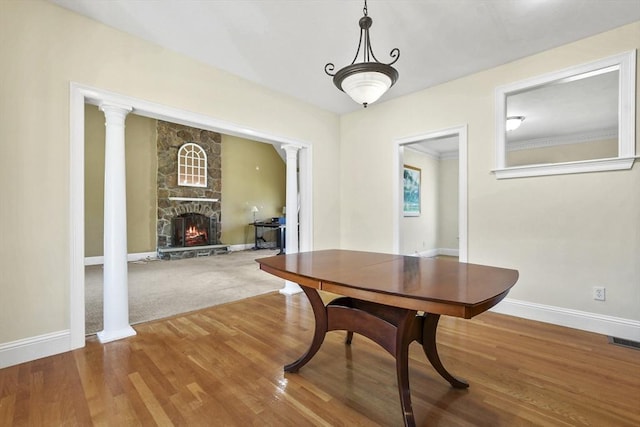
<point x="192" y="166"/>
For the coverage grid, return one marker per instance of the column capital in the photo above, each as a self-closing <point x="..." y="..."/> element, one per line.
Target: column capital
<point x="291" y="148"/>
<point x="115" y="111"/>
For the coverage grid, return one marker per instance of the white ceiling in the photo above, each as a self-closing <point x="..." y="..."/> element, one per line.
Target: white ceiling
<point x="285" y="44"/>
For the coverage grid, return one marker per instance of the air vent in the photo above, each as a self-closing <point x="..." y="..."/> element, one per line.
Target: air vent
<point x="624" y="343"/>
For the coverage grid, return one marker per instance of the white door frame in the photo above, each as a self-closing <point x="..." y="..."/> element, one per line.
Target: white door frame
<point x="81" y="95"/>
<point x="398" y="162"/>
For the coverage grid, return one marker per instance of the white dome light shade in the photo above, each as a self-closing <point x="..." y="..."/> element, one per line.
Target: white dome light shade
<point x="365" y="82"/>
<point x="514" y="122"/>
<point x="366" y="87"/>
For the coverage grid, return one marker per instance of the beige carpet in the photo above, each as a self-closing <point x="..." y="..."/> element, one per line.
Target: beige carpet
<point x="160" y="289"/>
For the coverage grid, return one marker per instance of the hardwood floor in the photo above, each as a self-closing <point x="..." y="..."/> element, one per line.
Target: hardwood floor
<point x="223" y="367"/>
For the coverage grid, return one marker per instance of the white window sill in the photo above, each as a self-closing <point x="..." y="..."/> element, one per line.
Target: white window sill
<point x="599" y="165"/>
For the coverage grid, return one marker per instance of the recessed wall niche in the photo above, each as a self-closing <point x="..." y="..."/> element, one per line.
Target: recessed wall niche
<point x="170" y="137"/>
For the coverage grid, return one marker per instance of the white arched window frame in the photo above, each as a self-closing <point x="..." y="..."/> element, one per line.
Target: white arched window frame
<point x="192" y="166"/>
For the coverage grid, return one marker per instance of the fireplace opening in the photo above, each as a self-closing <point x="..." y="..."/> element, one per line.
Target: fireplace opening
<point x="193" y="229"/>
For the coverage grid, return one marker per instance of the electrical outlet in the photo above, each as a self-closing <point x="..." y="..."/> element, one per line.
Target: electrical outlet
<point x="599" y="293"/>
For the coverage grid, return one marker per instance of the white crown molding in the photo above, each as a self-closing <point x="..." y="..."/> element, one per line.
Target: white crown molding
<point x="434" y="154"/>
<point x="575" y="138"/>
<point x="423" y="150"/>
<point x="449" y="155"/>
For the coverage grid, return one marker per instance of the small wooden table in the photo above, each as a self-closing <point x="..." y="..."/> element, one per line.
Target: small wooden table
<point x="382" y="295"/>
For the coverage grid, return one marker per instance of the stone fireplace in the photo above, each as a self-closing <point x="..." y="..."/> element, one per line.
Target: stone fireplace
<point x="188" y="217"/>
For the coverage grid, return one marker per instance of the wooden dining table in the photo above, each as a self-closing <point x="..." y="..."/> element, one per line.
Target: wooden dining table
<point x="391" y="299"/>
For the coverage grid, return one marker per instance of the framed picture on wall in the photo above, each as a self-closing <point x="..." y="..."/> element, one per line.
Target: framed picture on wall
<point x="411" y="187"/>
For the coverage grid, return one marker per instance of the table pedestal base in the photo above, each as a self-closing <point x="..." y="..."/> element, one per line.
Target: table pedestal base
<point x="392" y="328"/>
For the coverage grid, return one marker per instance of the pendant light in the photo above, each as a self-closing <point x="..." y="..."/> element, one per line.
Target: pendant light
<point x="365" y="82"/>
<point x="514" y="122"/>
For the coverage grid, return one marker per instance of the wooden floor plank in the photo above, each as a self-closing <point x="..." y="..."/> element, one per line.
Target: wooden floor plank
<point x="224" y="366"/>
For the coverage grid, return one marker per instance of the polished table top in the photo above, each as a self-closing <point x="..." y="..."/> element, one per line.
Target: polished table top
<point x="432" y="285"/>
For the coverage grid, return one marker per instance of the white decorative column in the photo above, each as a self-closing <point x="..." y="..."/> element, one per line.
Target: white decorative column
<point x="291" y="239"/>
<point x="116" y="287"/>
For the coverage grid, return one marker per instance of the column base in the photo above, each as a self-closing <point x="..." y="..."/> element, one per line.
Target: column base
<point x="108" y="336"/>
<point x="290" y="288"/>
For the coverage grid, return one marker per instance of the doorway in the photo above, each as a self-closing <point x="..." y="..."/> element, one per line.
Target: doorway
<point x="439" y="226"/>
<point x="80" y="95"/>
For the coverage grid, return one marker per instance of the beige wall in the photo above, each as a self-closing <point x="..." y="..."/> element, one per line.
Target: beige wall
<point x="420" y="233"/>
<point x="448" y="204"/>
<point x="141" y="170"/>
<point x="45" y="48"/>
<point x="253" y="174"/>
<point x="565" y="234"/>
<point x="437" y="226"/>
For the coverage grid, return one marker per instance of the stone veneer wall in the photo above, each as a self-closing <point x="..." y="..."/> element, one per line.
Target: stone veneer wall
<point x="170" y="138"/>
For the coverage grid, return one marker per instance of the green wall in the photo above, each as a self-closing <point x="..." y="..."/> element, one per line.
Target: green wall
<point x="141" y="166"/>
<point x="253" y="174"/>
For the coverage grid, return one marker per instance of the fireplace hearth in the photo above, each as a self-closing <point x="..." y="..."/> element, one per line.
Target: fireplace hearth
<point x="192" y="235"/>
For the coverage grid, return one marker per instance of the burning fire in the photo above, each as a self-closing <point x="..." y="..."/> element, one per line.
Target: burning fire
<point x="194" y="235"/>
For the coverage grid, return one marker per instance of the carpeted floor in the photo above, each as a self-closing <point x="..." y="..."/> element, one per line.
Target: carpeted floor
<point x="160" y="289"/>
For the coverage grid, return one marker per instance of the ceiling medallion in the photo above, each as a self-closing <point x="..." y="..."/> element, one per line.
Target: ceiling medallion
<point x="365" y="82"/>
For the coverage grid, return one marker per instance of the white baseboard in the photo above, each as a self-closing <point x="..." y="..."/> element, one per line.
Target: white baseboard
<point x="449" y="252"/>
<point x="438" y="251"/>
<point x="427" y="254"/>
<point x="244" y="247"/>
<point x="99" y="260"/>
<point x="28" y="349"/>
<point x="592" y="322"/>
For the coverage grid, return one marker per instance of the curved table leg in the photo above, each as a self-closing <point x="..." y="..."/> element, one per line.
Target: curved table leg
<point x="402" y="372"/>
<point x="429" y="347"/>
<point x="348" y="338"/>
<point x="320" y="314"/>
